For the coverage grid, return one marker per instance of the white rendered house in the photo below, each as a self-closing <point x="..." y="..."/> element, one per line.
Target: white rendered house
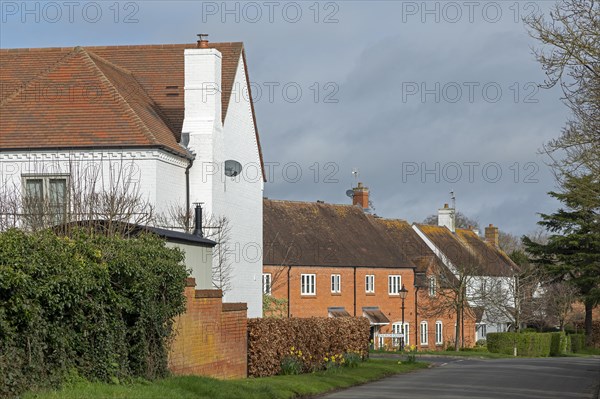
<point x="488" y="271"/>
<point x="159" y="121"/>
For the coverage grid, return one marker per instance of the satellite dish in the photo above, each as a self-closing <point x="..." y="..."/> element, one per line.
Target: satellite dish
<point x="350" y="193"/>
<point x="232" y="168"/>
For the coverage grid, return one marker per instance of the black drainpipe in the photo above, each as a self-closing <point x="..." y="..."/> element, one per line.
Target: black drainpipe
<point x="354" y="291"/>
<point x="288" y="289"/>
<point x="416" y="315"/>
<point x="187" y="196"/>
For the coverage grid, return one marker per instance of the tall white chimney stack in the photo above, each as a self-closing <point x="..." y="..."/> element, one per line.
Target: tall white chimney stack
<point x="446" y="218"/>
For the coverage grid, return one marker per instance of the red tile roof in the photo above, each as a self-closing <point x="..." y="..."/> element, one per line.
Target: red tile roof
<point x="98" y="94"/>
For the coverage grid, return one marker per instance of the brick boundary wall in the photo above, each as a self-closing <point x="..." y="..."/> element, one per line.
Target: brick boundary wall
<point x="210" y="338"/>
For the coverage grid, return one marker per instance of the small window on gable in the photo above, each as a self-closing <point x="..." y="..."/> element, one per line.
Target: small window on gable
<point x="432" y="286"/>
<point x="266" y="283"/>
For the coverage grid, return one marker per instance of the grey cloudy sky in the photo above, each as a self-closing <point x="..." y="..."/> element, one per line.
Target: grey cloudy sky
<point x="422" y="97"/>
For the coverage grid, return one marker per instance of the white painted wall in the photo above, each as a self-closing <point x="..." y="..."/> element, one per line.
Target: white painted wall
<point x="199" y="261"/>
<point x="160" y="176"/>
<point x="243" y="199"/>
<point x="239" y="199"/>
<point x="496" y="323"/>
<point x="156" y="175"/>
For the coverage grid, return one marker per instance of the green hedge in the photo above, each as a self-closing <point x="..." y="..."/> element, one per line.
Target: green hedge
<point x="94" y="306"/>
<point x="528" y="344"/>
<point x="559" y="343"/>
<point x="577" y="342"/>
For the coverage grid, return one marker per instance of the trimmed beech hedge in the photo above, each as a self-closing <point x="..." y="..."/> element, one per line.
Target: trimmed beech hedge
<point x="528" y="344"/>
<point x="312" y="340"/>
<point x="94" y="306"/>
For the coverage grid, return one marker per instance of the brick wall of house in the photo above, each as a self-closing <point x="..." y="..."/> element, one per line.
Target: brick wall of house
<point x="316" y="305"/>
<point x="391" y="305"/>
<point x="210" y="337"/>
<point x="438" y="308"/>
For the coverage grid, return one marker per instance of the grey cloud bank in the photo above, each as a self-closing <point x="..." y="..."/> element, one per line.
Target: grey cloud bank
<point x="414" y="86"/>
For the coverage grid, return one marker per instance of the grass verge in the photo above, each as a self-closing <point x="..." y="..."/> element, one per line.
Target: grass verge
<point x="277" y="387"/>
<point x="480" y="353"/>
<point x="469" y="353"/>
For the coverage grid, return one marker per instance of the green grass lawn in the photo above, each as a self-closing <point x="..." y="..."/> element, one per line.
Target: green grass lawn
<point x="478" y="353"/>
<point x="481" y="353"/>
<point x="268" y="388"/>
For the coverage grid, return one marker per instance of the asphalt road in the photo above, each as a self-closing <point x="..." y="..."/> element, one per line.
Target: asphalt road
<point x="555" y="378"/>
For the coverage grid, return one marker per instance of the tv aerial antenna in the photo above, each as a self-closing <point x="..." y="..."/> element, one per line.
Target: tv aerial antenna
<point x="355" y="173"/>
<point x="453" y="198"/>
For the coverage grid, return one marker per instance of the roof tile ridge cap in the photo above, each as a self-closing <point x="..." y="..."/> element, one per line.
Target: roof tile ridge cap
<point x="135" y="118"/>
<point x="145" y="94"/>
<point x="42" y="74"/>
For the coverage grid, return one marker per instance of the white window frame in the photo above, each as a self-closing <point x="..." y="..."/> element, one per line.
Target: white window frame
<point x="45" y="195"/>
<point x="482" y="333"/>
<point x="370" y="283"/>
<point x="424" y="333"/>
<point x="336" y="283"/>
<point x="394" y="284"/>
<point x="439" y="333"/>
<point x="267" y="283"/>
<point x="308" y="284"/>
<point x="432" y="286"/>
<point x="381" y="342"/>
<point x="397" y="330"/>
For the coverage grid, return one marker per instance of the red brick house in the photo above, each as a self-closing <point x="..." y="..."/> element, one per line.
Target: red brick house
<point x="338" y="260"/>
<point x="436" y="289"/>
<point x="334" y="260"/>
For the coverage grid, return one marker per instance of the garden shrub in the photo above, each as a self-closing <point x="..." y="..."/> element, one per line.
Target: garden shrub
<point x="100" y="307"/>
<point x="308" y="340"/>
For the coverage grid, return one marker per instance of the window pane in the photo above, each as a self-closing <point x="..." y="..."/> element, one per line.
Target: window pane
<point x="34" y="188"/>
<point x="57" y="191"/>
